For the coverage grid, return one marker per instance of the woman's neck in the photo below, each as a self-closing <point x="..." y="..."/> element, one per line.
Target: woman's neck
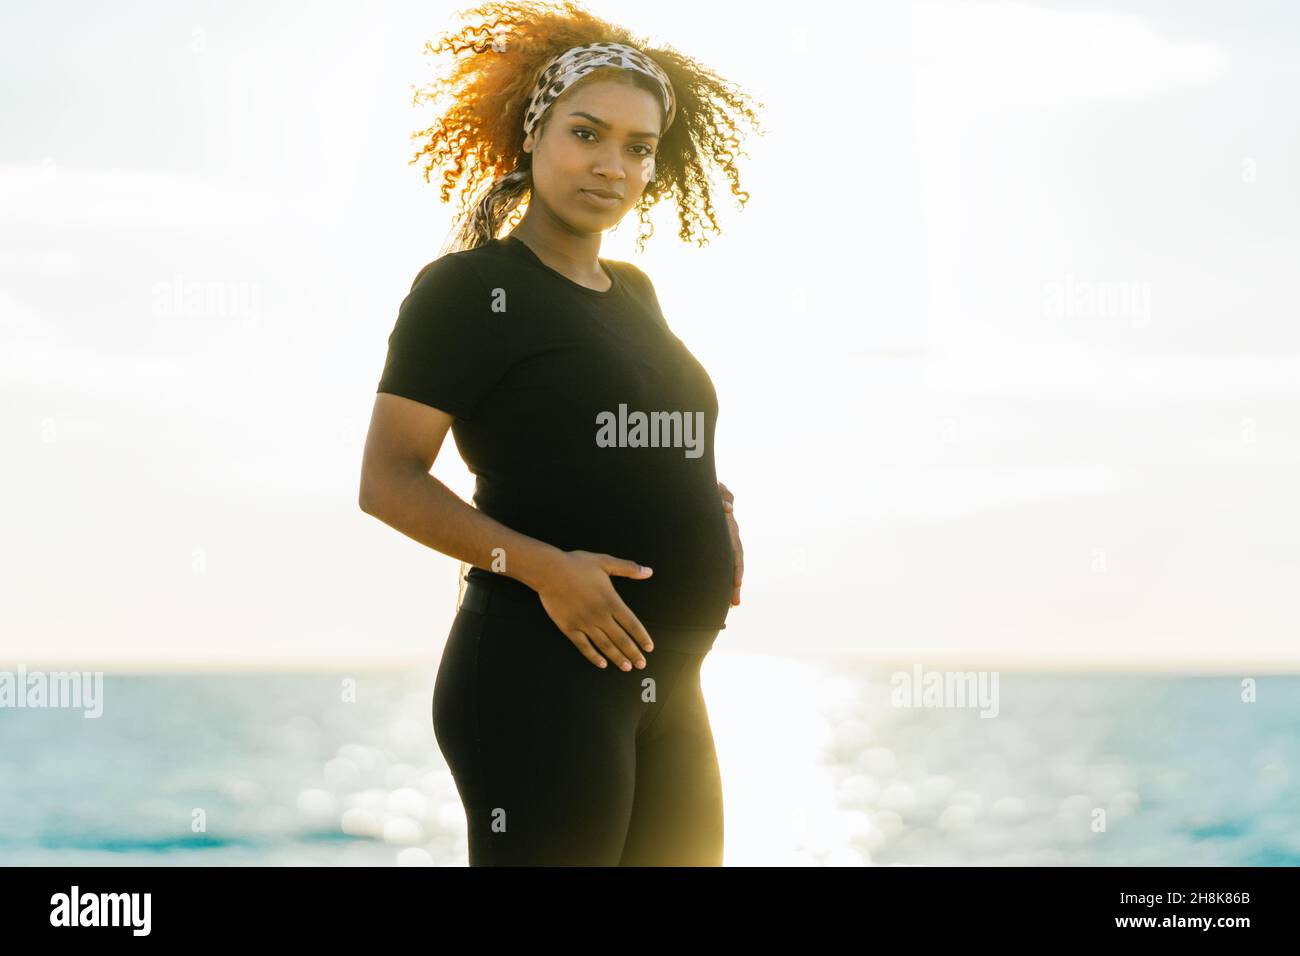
<point x="575" y="256"/>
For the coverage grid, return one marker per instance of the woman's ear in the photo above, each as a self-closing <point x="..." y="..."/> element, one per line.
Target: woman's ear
<point x="529" y="142"/>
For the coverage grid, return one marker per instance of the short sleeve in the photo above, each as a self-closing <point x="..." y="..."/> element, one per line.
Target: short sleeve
<point x="446" y="349"/>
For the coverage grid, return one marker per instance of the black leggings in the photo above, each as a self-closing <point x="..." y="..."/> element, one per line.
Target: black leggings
<point x="561" y="763"/>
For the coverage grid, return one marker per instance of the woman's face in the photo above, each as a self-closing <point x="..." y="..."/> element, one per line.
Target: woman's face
<point x="600" y="136"/>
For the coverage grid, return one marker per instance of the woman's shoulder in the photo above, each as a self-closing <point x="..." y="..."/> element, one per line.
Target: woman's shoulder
<point x="479" y="264"/>
<point x="459" y="267"/>
<point x="638" y="283"/>
<point x="631" y="271"/>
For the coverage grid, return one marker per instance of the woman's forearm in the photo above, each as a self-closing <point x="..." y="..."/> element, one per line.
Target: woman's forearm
<point x="424" y="509"/>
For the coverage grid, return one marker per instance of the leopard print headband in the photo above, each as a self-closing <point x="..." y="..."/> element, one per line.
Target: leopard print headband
<point x="576" y="62"/>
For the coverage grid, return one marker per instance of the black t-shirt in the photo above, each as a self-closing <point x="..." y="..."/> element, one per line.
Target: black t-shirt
<point x="545" y="378"/>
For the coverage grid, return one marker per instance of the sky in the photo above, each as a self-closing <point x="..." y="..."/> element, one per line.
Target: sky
<point x="1004" y="339"/>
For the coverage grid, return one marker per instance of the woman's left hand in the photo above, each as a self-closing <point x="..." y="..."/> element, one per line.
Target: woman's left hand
<point x="728" y="505"/>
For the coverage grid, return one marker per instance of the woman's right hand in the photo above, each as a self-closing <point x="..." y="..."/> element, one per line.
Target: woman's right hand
<point x="578" y="596"/>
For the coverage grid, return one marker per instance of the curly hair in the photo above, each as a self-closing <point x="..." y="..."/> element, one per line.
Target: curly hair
<point x="478" y="141"/>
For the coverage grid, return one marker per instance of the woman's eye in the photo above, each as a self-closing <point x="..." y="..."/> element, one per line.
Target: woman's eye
<point x="649" y="151"/>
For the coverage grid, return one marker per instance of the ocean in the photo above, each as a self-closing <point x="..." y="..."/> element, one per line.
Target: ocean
<point x="822" y="765"/>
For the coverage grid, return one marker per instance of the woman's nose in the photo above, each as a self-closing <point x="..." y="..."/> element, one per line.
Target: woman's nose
<point x="609" y="165"/>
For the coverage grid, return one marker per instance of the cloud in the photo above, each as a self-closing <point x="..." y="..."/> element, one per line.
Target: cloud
<point x="43" y="364"/>
<point x="1031" y="369"/>
<point x="51" y="195"/>
<point x="972" y="58"/>
<point x="950" y="490"/>
<point x="33" y="355"/>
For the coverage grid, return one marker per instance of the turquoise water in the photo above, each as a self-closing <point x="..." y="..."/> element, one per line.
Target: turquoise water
<point x="288" y="769"/>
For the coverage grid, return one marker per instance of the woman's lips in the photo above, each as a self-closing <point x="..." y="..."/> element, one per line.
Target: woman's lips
<point x="604" y="202"/>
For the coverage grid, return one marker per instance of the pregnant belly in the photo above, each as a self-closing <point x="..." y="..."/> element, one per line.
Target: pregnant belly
<point x="693" y="571"/>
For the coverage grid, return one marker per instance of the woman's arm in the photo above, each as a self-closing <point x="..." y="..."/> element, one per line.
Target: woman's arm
<point x="402" y="444"/>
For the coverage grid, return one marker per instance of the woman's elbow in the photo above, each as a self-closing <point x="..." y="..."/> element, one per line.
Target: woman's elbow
<point x="369" y="493"/>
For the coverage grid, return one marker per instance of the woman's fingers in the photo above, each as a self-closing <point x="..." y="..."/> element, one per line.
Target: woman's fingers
<point x="585" y="647"/>
<point x="738" y="551"/>
<point x="740" y="560"/>
<point x="604" y="626"/>
<point x="625" y="643"/>
<point x="622" y="617"/>
<point x="729" y="506"/>
<point x="612" y="641"/>
<point x="604" y="645"/>
<point x="611" y="647"/>
<point x="727" y="497"/>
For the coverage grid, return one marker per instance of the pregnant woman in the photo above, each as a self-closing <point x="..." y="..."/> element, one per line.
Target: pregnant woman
<point x="599" y="532"/>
